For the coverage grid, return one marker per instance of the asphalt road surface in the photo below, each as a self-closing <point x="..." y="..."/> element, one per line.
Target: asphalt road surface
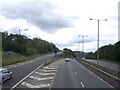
<point x="62" y="74"/>
<point x="21" y="70"/>
<point x="73" y="75"/>
<point x="106" y="64"/>
<point x="40" y="78"/>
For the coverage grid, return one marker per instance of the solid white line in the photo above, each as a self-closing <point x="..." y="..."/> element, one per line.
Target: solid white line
<point x="52" y="81"/>
<point x="82" y="84"/>
<point x="27" y="85"/>
<point x="26" y="77"/>
<point x="95" y="75"/>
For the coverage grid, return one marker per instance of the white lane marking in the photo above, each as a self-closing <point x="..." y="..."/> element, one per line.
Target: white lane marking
<point x="94" y="74"/>
<point x="52" y="81"/>
<point x="75" y="73"/>
<point x="27" y="85"/>
<point x="82" y="84"/>
<point x="34" y="86"/>
<point x="47" y="70"/>
<point x="39" y="79"/>
<point x="25" y="77"/>
<point x="44" y="73"/>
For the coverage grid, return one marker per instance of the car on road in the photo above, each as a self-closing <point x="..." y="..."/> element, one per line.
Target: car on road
<point x="5" y="74"/>
<point x="67" y="60"/>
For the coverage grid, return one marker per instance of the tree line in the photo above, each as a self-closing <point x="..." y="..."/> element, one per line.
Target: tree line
<point x="26" y="46"/>
<point x="107" y="52"/>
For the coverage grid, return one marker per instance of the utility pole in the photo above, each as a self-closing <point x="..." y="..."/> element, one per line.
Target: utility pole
<point x="83" y="37"/>
<point x="98" y="20"/>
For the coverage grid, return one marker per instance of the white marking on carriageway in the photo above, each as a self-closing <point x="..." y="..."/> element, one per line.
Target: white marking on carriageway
<point x="47" y="70"/>
<point x="45" y="73"/>
<point x="39" y="79"/>
<point x="34" y="86"/>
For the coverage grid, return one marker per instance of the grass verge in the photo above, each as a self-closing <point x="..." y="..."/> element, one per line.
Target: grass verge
<point x="16" y="58"/>
<point x="53" y="60"/>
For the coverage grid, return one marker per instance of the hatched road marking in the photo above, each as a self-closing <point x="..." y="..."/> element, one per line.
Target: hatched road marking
<point x="34" y="86"/>
<point x="47" y="70"/>
<point x="44" y="73"/>
<point x="82" y="84"/>
<point x="75" y="73"/>
<point x="39" y="79"/>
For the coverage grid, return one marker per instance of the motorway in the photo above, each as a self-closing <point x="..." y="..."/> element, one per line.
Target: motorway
<point x="109" y="65"/>
<point x="21" y="70"/>
<point x="73" y="75"/>
<point x="62" y="74"/>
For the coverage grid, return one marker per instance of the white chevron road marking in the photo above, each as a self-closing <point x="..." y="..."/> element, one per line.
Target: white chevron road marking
<point x="34" y="86"/>
<point x="45" y="73"/>
<point x="39" y="79"/>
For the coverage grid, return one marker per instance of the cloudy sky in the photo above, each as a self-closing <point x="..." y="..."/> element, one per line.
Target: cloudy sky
<point x="62" y="22"/>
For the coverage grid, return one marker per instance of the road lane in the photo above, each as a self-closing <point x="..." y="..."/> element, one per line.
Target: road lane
<point x="73" y="75"/>
<point x="65" y="77"/>
<point x="20" y="71"/>
<point x="88" y="78"/>
<point x="40" y="77"/>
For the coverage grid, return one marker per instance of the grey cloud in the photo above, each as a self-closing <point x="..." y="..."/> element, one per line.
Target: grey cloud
<point x="61" y="45"/>
<point x="39" y="14"/>
<point x="77" y="39"/>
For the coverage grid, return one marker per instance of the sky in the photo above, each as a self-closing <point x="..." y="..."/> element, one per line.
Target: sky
<point x="62" y="22"/>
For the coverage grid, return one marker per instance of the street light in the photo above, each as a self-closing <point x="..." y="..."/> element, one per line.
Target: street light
<point x="22" y="29"/>
<point x="98" y="36"/>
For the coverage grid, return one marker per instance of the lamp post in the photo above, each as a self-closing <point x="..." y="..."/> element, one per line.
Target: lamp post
<point x="98" y="20"/>
<point x="22" y="29"/>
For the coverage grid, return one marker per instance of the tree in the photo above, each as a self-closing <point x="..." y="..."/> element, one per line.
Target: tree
<point x="25" y="46"/>
<point x="67" y="52"/>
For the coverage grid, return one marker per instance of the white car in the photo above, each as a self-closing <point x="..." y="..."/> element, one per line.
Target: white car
<point x="67" y="60"/>
<point x="5" y="74"/>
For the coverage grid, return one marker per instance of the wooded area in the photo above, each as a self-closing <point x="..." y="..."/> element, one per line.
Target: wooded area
<point x="26" y="46"/>
<point x="107" y="52"/>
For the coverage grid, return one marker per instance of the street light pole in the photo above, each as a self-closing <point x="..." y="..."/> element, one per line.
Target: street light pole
<point x="98" y="43"/>
<point x="98" y="36"/>
<point x="79" y="44"/>
<point x="22" y="29"/>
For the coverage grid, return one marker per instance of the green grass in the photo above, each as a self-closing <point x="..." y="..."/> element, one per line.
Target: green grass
<point x="53" y="60"/>
<point x="16" y="58"/>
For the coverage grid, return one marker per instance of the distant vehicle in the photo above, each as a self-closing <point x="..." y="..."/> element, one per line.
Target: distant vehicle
<point x="67" y="60"/>
<point x="5" y="74"/>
